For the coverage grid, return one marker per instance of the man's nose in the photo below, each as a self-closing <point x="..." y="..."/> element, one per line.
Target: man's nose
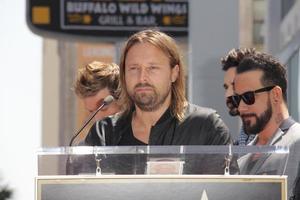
<point x="143" y="75"/>
<point x="242" y="106"/>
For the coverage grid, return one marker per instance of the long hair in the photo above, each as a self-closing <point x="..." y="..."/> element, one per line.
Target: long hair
<point x="167" y="45"/>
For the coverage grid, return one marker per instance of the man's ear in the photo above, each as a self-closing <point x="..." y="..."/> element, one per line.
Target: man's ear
<point x="175" y="73"/>
<point x="277" y="94"/>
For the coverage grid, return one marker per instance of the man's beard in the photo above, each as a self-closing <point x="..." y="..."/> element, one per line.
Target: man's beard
<point x="148" y="101"/>
<point x="261" y="121"/>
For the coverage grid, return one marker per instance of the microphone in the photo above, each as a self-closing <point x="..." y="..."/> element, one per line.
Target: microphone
<point x="107" y="100"/>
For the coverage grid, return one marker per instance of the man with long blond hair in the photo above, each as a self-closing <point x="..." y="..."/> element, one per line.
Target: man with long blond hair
<point x="155" y="110"/>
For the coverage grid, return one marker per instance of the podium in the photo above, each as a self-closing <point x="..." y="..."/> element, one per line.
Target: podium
<point x="157" y="172"/>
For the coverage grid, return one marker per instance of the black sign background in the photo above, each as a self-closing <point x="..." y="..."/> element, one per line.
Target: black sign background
<point x="110" y="18"/>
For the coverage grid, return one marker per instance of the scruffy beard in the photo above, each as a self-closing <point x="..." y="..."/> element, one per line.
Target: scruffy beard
<point x="148" y="101"/>
<point x="261" y="121"/>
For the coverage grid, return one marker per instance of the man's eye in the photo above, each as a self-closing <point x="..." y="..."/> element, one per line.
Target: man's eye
<point x="104" y="108"/>
<point x="132" y="68"/>
<point x="153" y="67"/>
<point x="90" y="111"/>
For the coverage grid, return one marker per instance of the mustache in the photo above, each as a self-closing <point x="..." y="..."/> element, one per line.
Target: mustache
<point x="143" y="85"/>
<point x="248" y="115"/>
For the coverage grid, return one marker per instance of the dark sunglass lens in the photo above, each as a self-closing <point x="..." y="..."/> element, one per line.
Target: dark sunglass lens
<point x="235" y="100"/>
<point x="249" y="98"/>
<point x="229" y="102"/>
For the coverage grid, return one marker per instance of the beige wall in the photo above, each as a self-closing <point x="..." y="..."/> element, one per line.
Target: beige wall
<point x="50" y="93"/>
<point x="246" y="23"/>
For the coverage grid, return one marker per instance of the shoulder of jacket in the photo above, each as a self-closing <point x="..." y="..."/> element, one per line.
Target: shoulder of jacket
<point x="294" y="131"/>
<point x="116" y="120"/>
<point x="195" y="110"/>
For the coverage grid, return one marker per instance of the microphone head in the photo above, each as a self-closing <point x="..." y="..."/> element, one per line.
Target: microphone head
<point x="107" y="100"/>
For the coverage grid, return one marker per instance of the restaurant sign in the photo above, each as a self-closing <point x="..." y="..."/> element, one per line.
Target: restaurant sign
<point x="107" y="18"/>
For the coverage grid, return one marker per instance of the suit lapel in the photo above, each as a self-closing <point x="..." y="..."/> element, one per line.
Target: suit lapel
<point x="258" y="165"/>
<point x="277" y="137"/>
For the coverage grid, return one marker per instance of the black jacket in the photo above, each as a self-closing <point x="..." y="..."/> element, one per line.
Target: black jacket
<point x="201" y="126"/>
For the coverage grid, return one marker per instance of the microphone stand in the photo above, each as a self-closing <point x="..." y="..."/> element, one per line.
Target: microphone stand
<point x="86" y="123"/>
<point x="106" y="101"/>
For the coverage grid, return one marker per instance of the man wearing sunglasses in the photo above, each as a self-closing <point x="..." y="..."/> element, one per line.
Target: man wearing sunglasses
<point x="229" y="65"/>
<point x="260" y="88"/>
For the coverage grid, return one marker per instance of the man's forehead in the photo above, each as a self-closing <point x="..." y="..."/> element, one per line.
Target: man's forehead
<point x="248" y="79"/>
<point x="252" y="74"/>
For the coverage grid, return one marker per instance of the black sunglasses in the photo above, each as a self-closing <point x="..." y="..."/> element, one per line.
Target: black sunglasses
<point x="233" y="111"/>
<point x="229" y="102"/>
<point x="248" y="97"/>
